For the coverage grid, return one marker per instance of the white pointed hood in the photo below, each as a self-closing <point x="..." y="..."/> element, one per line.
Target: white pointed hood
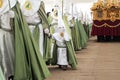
<point x="29" y="7"/>
<point x="60" y="20"/>
<point x="61" y="28"/>
<point x="6" y="5"/>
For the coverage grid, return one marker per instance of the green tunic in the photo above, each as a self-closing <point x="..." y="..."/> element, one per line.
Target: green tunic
<point x="29" y="64"/>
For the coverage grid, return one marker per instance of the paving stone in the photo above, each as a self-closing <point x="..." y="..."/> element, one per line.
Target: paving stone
<point x="99" y="61"/>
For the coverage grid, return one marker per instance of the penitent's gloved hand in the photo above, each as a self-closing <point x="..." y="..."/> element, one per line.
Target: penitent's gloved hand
<point x="46" y="31"/>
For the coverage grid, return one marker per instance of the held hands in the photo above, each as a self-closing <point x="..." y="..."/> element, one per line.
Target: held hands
<point x="46" y="31"/>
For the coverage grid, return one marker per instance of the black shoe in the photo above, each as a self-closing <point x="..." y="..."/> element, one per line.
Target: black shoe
<point x="60" y="66"/>
<point x="10" y="77"/>
<point x="64" y="67"/>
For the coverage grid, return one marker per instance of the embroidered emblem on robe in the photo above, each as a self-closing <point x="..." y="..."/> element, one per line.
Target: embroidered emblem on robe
<point x="28" y="5"/>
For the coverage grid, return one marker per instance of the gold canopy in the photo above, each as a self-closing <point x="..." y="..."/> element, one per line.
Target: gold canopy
<point x="106" y="10"/>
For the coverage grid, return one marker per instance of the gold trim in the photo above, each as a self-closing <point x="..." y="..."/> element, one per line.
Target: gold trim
<point x="105" y="25"/>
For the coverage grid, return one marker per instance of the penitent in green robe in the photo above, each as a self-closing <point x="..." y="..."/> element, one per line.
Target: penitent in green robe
<point x="29" y="64"/>
<point x="86" y="27"/>
<point x="76" y="35"/>
<point x="68" y="29"/>
<point x="45" y="24"/>
<point x="89" y="29"/>
<point x="83" y="35"/>
<point x="66" y="25"/>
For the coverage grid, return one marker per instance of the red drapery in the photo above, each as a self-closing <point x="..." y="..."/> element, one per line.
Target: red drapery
<point x="106" y="27"/>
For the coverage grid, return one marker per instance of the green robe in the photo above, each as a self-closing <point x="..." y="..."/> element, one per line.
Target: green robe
<point x="45" y="24"/>
<point x="29" y="64"/>
<point x="87" y="28"/>
<point x="76" y="36"/>
<point x="36" y="34"/>
<point x="70" y="55"/>
<point x="67" y="25"/>
<point x="50" y="19"/>
<point x="90" y="28"/>
<point x="1" y="74"/>
<point x="52" y="31"/>
<point x="69" y="32"/>
<point x="83" y="35"/>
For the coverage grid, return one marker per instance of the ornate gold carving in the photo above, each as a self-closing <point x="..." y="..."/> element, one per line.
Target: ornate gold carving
<point x="1" y="3"/>
<point x="106" y="10"/>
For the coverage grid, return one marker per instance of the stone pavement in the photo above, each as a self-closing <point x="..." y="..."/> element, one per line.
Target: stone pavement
<point x="99" y="61"/>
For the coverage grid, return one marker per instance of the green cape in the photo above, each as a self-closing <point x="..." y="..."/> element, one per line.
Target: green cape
<point x="45" y="24"/>
<point x="83" y="35"/>
<point x="29" y="64"/>
<point x="76" y="36"/>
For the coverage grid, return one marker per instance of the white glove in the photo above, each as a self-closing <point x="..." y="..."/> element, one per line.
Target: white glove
<point x="71" y="24"/>
<point x="46" y="30"/>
